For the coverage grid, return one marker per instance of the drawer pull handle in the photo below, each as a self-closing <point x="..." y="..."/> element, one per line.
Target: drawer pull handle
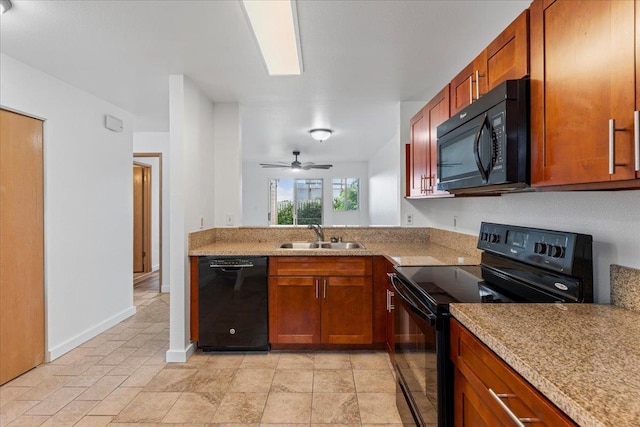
<point x="519" y="421"/>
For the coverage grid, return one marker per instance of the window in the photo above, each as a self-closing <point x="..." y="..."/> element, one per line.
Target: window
<point x="346" y="192"/>
<point x="295" y="201"/>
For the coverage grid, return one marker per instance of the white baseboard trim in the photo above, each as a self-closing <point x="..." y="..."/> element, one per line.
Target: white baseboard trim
<point x="155" y="267"/>
<point x="85" y="336"/>
<point x="165" y="288"/>
<point x="180" y="356"/>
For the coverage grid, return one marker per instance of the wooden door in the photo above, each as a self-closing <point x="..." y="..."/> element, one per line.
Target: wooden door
<point x="508" y="54"/>
<point x="21" y="245"/>
<point x="419" y="131"/>
<point x="294" y="310"/>
<point x="437" y="110"/>
<point x="582" y="74"/>
<point x="141" y="218"/>
<point x="347" y="310"/>
<point x="469" y="84"/>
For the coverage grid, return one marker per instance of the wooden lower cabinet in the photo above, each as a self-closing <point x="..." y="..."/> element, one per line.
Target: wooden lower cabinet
<point x="482" y="379"/>
<point x="331" y="305"/>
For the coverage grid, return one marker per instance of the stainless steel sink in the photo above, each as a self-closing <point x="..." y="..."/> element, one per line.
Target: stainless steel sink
<point x="321" y="245"/>
<point x="300" y="245"/>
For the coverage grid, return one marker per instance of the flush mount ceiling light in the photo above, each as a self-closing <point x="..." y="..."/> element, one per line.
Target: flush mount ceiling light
<point x="275" y="28"/>
<point x="5" y="5"/>
<point x="320" y="134"/>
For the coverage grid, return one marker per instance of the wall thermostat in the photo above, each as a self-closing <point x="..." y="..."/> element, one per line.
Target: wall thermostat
<point x="113" y="123"/>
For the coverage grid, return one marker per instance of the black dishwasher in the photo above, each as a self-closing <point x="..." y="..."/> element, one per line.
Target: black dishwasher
<point x="232" y="303"/>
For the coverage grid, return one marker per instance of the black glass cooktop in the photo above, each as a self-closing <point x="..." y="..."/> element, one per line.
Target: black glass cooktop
<point x="438" y="286"/>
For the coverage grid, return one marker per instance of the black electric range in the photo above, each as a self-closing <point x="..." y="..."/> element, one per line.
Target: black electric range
<point x="518" y="265"/>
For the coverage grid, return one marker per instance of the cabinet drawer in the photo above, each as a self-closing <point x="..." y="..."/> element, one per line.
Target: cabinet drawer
<point x="320" y="266"/>
<point x="485" y="371"/>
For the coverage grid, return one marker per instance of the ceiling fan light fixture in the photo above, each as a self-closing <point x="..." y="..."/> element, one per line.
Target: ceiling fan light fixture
<point x="320" y="134"/>
<point x="5" y="5"/>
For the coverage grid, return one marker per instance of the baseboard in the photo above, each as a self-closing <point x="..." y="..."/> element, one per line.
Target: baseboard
<point x="181" y="356"/>
<point x="155" y="267"/>
<point x="79" y="339"/>
<point x="165" y="288"/>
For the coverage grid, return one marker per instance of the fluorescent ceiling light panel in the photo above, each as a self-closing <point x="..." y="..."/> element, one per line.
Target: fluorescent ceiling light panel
<point x="275" y="26"/>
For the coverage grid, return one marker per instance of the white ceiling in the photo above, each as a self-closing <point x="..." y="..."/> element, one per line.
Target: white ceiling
<point x="361" y="58"/>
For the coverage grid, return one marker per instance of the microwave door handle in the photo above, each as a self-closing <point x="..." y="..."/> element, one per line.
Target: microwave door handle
<point x="476" y="149"/>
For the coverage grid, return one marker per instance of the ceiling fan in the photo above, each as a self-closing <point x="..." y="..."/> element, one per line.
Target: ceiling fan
<point x="295" y="165"/>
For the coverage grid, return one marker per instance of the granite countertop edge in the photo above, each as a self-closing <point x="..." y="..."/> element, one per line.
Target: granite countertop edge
<point x="579" y="414"/>
<point x="398" y="253"/>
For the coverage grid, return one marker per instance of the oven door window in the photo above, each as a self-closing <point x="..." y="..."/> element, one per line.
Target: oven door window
<point x="416" y="364"/>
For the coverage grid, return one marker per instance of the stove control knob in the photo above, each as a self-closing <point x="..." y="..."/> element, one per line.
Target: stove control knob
<point x="557" y="251"/>
<point x="540" y="248"/>
<point x="495" y="238"/>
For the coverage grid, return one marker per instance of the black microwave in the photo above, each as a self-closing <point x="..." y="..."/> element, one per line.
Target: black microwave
<point x="485" y="147"/>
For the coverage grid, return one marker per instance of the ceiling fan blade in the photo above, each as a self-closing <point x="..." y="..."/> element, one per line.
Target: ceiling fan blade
<point x="313" y="166"/>
<point x="272" y="165"/>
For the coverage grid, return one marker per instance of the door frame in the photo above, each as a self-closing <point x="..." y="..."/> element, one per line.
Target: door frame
<point x="160" y="221"/>
<point x="146" y="183"/>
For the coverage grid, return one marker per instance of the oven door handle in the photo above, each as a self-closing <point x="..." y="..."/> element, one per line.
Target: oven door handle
<point x="405" y="295"/>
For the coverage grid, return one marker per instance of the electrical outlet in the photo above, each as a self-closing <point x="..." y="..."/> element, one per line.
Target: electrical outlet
<point x="229" y="219"/>
<point x="409" y="219"/>
<point x="455" y="222"/>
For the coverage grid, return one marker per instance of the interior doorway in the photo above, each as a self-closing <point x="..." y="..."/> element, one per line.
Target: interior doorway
<point x="147" y="218"/>
<point x="141" y="218"/>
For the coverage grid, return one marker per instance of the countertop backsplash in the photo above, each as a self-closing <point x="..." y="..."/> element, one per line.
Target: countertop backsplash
<point x="625" y="287"/>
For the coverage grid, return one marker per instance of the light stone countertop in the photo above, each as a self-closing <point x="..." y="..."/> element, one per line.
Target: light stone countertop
<point x="399" y="253"/>
<point x="585" y="358"/>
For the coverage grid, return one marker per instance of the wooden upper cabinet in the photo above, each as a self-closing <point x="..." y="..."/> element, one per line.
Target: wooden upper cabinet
<point x="469" y="84"/>
<point x="508" y="54"/>
<point x="437" y="111"/>
<point x="582" y="83"/>
<point x="507" y="57"/>
<point x="419" y="132"/>
<point x="423" y="152"/>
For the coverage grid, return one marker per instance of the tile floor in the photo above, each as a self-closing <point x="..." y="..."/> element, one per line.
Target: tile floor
<point x="120" y="378"/>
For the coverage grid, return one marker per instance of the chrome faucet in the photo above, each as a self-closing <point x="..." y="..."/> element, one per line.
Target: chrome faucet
<point x="319" y="231"/>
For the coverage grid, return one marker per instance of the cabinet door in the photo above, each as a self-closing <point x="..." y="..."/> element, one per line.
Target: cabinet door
<point x="469" y="84"/>
<point x="294" y="310"/>
<point x="469" y="408"/>
<point x="346" y="310"/>
<point x="419" y="153"/>
<point x="508" y="54"/>
<point x="582" y="74"/>
<point x="437" y="110"/>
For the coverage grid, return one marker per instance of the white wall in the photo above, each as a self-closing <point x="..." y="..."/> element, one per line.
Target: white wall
<point x="228" y="165"/>
<point x="192" y="179"/>
<point x="612" y="217"/>
<point x="384" y="183"/>
<point x="157" y="142"/>
<point x="88" y="205"/>
<point x="255" y="192"/>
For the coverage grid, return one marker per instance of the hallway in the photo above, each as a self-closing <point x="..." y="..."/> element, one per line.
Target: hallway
<point x="120" y="378"/>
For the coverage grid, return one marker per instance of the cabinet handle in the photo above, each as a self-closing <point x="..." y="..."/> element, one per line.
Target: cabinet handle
<point x="612" y="146"/>
<point x="636" y="139"/>
<point x="470" y="89"/>
<point x="519" y="421"/>
<point x="317" y="288"/>
<point x="478" y="84"/>
<point x="324" y="285"/>
<point x="390" y="306"/>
